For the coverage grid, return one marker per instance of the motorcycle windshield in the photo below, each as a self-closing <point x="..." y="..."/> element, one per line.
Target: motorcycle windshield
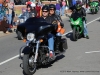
<point x="75" y="16"/>
<point x="36" y="25"/>
<point x="94" y="4"/>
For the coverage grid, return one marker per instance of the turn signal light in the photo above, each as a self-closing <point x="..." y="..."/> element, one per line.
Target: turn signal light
<point x="24" y="40"/>
<point x="41" y="40"/>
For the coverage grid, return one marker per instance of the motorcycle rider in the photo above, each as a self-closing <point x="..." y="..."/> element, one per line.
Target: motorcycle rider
<point x="45" y="15"/>
<point x="54" y="17"/>
<point x="28" y="12"/>
<point x="79" y="9"/>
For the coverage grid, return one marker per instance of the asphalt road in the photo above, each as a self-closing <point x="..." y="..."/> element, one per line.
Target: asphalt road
<point x="81" y="58"/>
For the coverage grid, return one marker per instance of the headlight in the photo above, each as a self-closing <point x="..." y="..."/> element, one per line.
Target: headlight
<point x="77" y="22"/>
<point x="30" y="36"/>
<point x="21" y="20"/>
<point x="17" y="20"/>
<point x="72" y="22"/>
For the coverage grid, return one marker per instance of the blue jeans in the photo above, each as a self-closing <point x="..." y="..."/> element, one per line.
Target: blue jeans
<point x="62" y="10"/>
<point x="51" y="41"/>
<point x="10" y="18"/>
<point x="85" y="29"/>
<point x="58" y="12"/>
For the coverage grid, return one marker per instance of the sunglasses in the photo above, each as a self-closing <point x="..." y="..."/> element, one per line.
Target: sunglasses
<point x="51" y="9"/>
<point x="44" y="11"/>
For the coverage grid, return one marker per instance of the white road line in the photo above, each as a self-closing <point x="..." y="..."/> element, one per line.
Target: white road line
<point x="92" y="52"/>
<point x="62" y="35"/>
<point x="9" y="60"/>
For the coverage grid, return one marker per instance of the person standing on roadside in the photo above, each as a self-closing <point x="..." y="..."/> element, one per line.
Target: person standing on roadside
<point x="34" y="12"/>
<point x="28" y="12"/>
<point x="58" y="8"/>
<point x="38" y="9"/>
<point x="10" y="9"/>
<point x="63" y="7"/>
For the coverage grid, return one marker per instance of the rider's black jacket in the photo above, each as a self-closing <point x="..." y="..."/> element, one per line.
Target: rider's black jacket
<point x="51" y="19"/>
<point x="80" y="11"/>
<point x="55" y="17"/>
<point x="48" y="20"/>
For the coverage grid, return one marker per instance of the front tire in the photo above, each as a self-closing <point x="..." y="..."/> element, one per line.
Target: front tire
<point x="28" y="70"/>
<point x="75" y="34"/>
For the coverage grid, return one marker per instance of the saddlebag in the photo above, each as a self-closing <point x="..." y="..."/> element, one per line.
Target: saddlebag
<point x="63" y="44"/>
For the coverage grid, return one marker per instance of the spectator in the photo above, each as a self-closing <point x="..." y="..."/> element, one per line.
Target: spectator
<point x="34" y="9"/>
<point x="1" y="12"/>
<point x="13" y="13"/>
<point x="38" y="9"/>
<point x="4" y="25"/>
<point x="10" y="9"/>
<point x="38" y="2"/>
<point x="58" y="8"/>
<point x="28" y="2"/>
<point x="63" y="7"/>
<point x="28" y="12"/>
<point x="23" y="10"/>
<point x="0" y="7"/>
<point x="15" y="21"/>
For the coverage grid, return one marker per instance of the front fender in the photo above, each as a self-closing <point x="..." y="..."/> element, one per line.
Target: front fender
<point x="27" y="50"/>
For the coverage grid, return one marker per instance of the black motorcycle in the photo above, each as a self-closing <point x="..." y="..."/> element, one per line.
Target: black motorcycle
<point x="36" y="49"/>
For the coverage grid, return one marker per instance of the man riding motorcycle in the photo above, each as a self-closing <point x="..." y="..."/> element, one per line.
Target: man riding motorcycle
<point x="28" y="12"/>
<point x="45" y="15"/>
<point x="79" y="9"/>
<point x="50" y="18"/>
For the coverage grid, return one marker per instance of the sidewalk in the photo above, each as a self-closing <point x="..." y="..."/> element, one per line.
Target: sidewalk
<point x="3" y="34"/>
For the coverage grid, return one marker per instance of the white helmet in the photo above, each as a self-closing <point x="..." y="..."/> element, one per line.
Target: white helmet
<point x="33" y="5"/>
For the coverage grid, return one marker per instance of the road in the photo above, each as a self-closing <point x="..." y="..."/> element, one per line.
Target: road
<point x="81" y="58"/>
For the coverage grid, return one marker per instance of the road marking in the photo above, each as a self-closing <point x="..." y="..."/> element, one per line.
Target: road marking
<point x="9" y="60"/>
<point x="92" y="52"/>
<point x="62" y="35"/>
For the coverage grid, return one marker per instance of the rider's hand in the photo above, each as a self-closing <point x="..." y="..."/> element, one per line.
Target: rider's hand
<point x="58" y="22"/>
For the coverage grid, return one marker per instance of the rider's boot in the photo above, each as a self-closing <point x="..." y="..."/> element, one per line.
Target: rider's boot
<point x="87" y="36"/>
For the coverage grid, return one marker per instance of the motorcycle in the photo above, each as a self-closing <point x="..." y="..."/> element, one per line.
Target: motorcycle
<point x="36" y="51"/>
<point x="77" y="26"/>
<point x="94" y="8"/>
<point x="22" y="19"/>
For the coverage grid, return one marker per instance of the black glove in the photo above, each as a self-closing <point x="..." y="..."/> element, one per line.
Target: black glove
<point x="83" y="19"/>
<point x="62" y="25"/>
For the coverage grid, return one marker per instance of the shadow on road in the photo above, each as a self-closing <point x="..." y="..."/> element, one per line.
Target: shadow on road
<point x="70" y="36"/>
<point x="50" y="64"/>
<point x="98" y="20"/>
<point x="90" y="13"/>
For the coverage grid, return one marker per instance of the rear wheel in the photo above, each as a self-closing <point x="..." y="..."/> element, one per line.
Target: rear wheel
<point x="29" y="67"/>
<point x="75" y="34"/>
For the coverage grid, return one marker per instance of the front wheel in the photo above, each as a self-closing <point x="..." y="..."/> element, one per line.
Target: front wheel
<point x="29" y="67"/>
<point x="75" y="34"/>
